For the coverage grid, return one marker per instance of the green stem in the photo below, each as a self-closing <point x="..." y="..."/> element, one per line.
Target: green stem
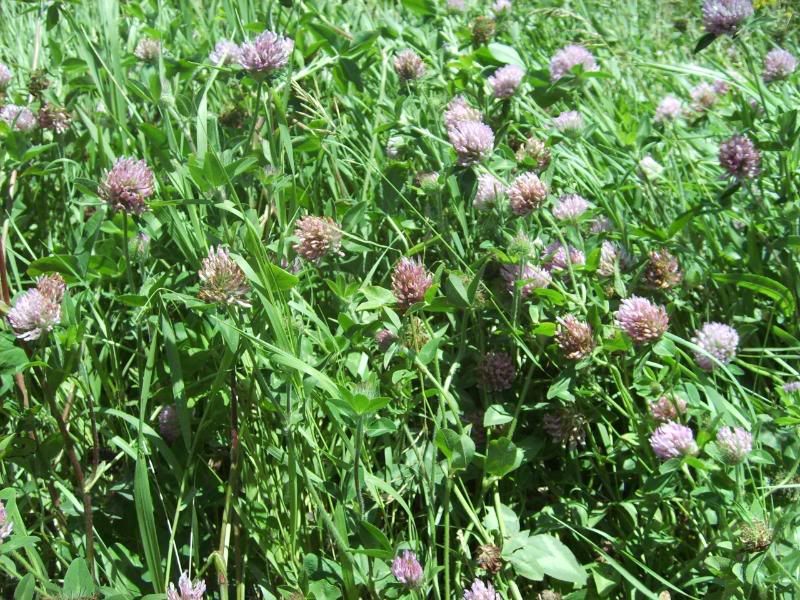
<point x="357" y="466"/>
<point x="446" y="508"/>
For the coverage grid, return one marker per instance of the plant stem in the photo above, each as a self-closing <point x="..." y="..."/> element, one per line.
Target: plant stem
<point x="357" y="466"/>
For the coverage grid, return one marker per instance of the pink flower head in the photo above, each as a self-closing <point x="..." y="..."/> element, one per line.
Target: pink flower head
<point x="704" y="96"/>
<point x="490" y="190"/>
<point x="481" y="591"/>
<point x="669" y="109"/>
<point x="672" y="440"/>
<point x="459" y="109"/>
<point x="409" y="65"/>
<point x="668" y="408"/>
<point x="734" y="443"/>
<point x="778" y="64"/>
<point x="6" y="526"/>
<point x="317" y="236"/>
<point x="38" y="310"/>
<point x="791" y="387"/>
<point x="410" y="281"/>
<point x="53" y="118"/>
<point x="529" y="276"/>
<point x="506" y="80"/>
<point x="725" y="16"/>
<point x="569" y="122"/>
<point x="225" y="52"/>
<point x="266" y="54"/>
<point x="127" y="186"/>
<point x="148" y="50"/>
<point x="407" y="570"/>
<point x="222" y="280"/>
<point x="473" y="141"/>
<point x="612" y="256"/>
<point x="558" y="258"/>
<point x="574" y="337"/>
<point x="385" y="338"/>
<point x="740" y="157"/>
<point x="642" y="320"/>
<point x="566" y="59"/>
<point x="5" y="76"/>
<point x="501" y="7"/>
<point x="18" y="117"/>
<point x="496" y="371"/>
<point x="186" y="589"/>
<point x="526" y="193"/>
<point x="715" y="340"/>
<point x="570" y="207"/>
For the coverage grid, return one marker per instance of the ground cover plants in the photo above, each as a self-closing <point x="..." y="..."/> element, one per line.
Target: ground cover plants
<point x="408" y="299"/>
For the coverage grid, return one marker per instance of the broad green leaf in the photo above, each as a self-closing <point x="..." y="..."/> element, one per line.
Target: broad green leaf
<point x="502" y="457"/>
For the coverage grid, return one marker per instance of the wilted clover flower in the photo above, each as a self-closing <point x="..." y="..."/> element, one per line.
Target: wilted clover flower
<point x="481" y="591"/>
<point x="496" y="371"/>
<point x="483" y="29"/>
<point x="734" y="443"/>
<point x="385" y="338"/>
<point x="506" y="80"/>
<point x="458" y="109"/>
<point x="570" y="207"/>
<point x="6" y="526"/>
<point x="490" y="191"/>
<point x="569" y="122"/>
<point x="740" y="157"/>
<point x="668" y="407"/>
<point x="559" y="258"/>
<point x="663" y="271"/>
<point x="778" y="64"/>
<point x="642" y="320"/>
<point x="317" y="236"/>
<point x="407" y="570"/>
<point x="718" y="340"/>
<point x="534" y="149"/>
<point x="266" y="54"/>
<point x="410" y="281"/>
<point x="612" y="256"/>
<point x="574" y="338"/>
<point x="473" y="141"/>
<point x="427" y="180"/>
<point x="526" y="193"/>
<point x="127" y="186"/>
<point x="54" y="118"/>
<point x="222" y="281"/>
<point x="18" y="117"/>
<point x="168" y="424"/>
<point x="225" y="52"/>
<point x="186" y="589"/>
<point x="703" y="96"/>
<point x="38" y="310"/>
<point x="488" y="557"/>
<point x="529" y="276"/>
<point x="567" y="58"/>
<point x="756" y="536"/>
<point x="672" y="440"/>
<point x="649" y="169"/>
<point x="5" y="77"/>
<point x="501" y="7"/>
<point x="567" y="428"/>
<point x="669" y="109"/>
<point x="148" y="50"/>
<point x="551" y="595"/>
<point x="725" y="16"/>
<point x="409" y="65"/>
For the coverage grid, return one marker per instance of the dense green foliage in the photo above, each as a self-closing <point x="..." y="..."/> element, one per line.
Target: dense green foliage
<point x="306" y="456"/>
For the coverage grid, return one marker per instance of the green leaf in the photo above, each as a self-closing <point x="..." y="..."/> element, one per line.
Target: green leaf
<point x="147" y="524"/>
<point x="495" y="415"/>
<point x="78" y="581"/>
<point x="457" y="449"/>
<point x="502" y="457"/>
<point x="761" y="285"/>
<point x="25" y="588"/>
<point x="505" y="54"/>
<point x="556" y="559"/>
<point x="704" y="42"/>
<point x="12" y="357"/>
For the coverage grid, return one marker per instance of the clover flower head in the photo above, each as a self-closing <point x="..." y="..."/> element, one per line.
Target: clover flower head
<point x="734" y="443"/>
<point x="672" y="440"/>
<point x="642" y="320"/>
<point x="568" y="58"/>
<point x="266" y="54"/>
<point x="407" y="569"/>
<point x="778" y="64"/>
<point x="715" y="340"/>
<point x="473" y="141"/>
<point x="506" y="80"/>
